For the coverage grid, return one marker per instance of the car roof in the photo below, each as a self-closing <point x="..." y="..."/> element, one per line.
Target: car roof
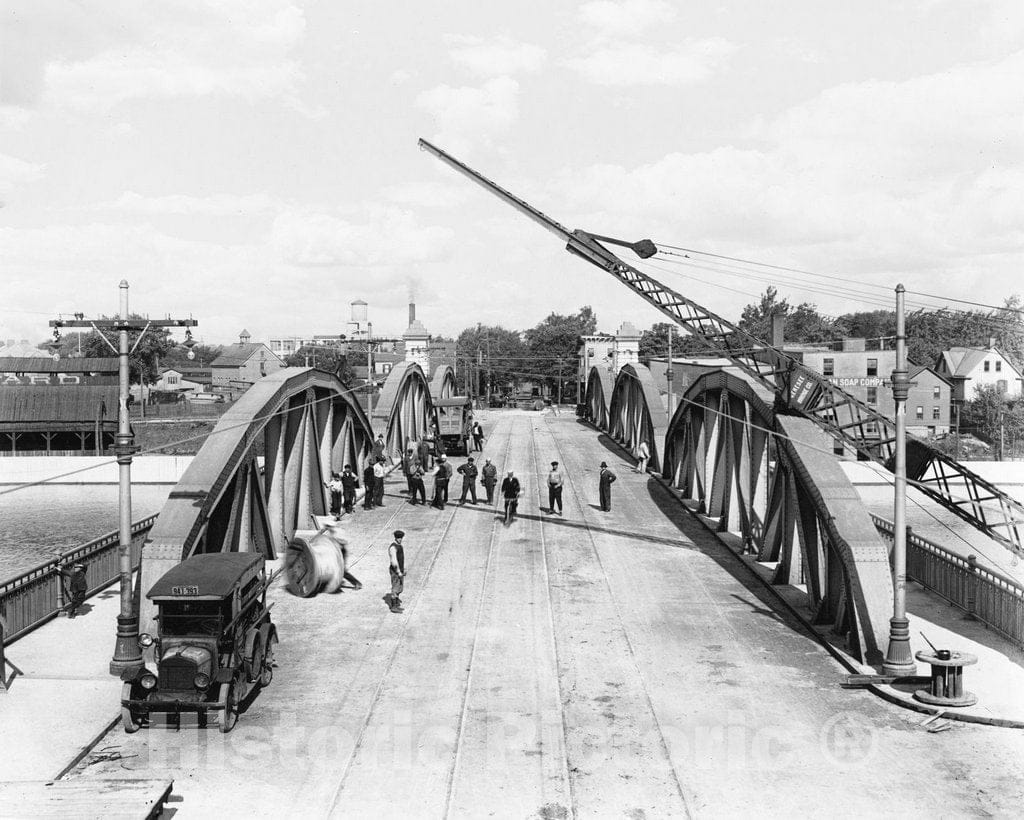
<point x="214" y="575"/>
<point x="451" y="401"/>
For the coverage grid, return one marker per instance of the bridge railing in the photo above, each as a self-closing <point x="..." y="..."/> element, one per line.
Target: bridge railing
<point x="36" y="595"/>
<point x="993" y="598"/>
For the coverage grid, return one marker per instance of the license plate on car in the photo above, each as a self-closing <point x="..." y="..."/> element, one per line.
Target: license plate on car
<point x="185" y="590"/>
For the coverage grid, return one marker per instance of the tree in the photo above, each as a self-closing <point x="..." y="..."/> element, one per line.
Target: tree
<point x="654" y="343"/>
<point x="502" y="351"/>
<point x="203" y="355"/>
<point x="803" y="323"/>
<point x="554" y="342"/>
<point x="993" y="418"/>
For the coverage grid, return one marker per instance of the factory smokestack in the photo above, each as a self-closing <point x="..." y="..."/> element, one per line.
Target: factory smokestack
<point x="412" y="312"/>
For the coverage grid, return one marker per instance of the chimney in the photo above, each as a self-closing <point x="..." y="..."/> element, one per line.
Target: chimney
<point x="991" y="342"/>
<point x="412" y="313"/>
<point x="778" y="334"/>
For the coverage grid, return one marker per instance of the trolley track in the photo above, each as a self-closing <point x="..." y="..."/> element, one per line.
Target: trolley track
<point x="619" y="622"/>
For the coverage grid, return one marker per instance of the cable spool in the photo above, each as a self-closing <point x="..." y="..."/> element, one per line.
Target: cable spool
<point x="315" y="565"/>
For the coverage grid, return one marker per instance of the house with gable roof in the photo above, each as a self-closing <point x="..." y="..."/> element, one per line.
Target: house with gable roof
<point x="241" y="365"/>
<point x="968" y="368"/>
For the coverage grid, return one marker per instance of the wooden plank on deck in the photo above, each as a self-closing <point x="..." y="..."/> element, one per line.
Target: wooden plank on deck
<point x="106" y="799"/>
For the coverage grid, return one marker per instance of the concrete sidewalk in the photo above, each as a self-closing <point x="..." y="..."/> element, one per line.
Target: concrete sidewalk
<point x="63" y="696"/>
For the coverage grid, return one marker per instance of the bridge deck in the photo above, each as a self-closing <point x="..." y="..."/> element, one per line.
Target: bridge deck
<point x="590" y="664"/>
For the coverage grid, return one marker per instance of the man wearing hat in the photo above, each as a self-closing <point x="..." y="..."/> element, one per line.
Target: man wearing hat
<point x="396" y="568"/>
<point x="469" y="474"/>
<point x="510" y="491"/>
<point x="605" y="487"/>
<point x="77" y="585"/>
<point x="489" y="478"/>
<point x="441" y="478"/>
<point x="555" y="488"/>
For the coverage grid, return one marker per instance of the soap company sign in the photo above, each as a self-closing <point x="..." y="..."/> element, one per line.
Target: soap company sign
<point x="867" y="381"/>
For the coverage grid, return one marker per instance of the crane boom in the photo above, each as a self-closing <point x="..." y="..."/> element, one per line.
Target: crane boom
<point x="797" y="388"/>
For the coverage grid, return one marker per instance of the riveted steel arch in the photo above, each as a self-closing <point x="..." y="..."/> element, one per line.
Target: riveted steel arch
<point x="599" y="395"/>
<point x="773" y="480"/>
<point x="637" y="413"/>
<point x="260" y="475"/>
<point x="442" y="383"/>
<point x="403" y="409"/>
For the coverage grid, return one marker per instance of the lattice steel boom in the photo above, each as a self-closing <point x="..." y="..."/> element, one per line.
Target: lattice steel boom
<point x="798" y="388"/>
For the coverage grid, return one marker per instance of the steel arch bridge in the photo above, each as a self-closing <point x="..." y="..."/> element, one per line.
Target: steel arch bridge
<point x="442" y="383"/>
<point x="773" y="480"/>
<point x="600" y="384"/>
<point x="260" y="475"/>
<point x="403" y="409"/>
<point x="636" y="413"/>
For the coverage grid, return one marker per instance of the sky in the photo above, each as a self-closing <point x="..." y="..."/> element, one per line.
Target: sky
<point x="254" y="163"/>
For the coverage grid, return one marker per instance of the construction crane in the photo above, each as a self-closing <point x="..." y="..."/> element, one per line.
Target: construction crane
<point x="798" y="389"/>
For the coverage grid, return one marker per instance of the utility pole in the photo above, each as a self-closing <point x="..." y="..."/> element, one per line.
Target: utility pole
<point x="898" y="658"/>
<point x="127" y="653"/>
<point x="669" y="375"/>
<point x="488" y="367"/>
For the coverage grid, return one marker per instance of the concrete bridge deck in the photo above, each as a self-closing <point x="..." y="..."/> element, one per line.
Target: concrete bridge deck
<point x="593" y="664"/>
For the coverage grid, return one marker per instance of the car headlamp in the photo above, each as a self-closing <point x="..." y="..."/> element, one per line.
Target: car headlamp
<point x="201" y="680"/>
<point x="145" y="640"/>
<point x="148" y="681"/>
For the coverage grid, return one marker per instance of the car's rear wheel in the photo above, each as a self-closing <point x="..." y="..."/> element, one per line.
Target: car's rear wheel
<point x="129" y="717"/>
<point x="227" y="698"/>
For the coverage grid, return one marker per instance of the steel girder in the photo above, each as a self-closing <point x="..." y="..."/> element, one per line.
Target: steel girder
<point x="773" y="480"/>
<point x="599" y="395"/>
<point x="636" y="412"/>
<point x="300" y="423"/>
<point x="404" y="408"/>
<point x="442" y="383"/>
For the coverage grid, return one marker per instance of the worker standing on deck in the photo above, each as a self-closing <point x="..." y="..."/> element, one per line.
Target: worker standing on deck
<point x="604" y="487"/>
<point x="469" y="473"/>
<point x="377" y="451"/>
<point x="489" y="479"/>
<point x="416" y="485"/>
<point x="409" y="461"/>
<point x="379" y="471"/>
<point x="441" y="478"/>
<point x="396" y="569"/>
<point x="510" y="491"/>
<point x="349" y="485"/>
<point x="478" y="437"/>
<point x="370" y="483"/>
<point x="555" y="488"/>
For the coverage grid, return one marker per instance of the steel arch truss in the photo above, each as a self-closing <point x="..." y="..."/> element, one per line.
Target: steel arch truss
<point x="599" y="395"/>
<point x="636" y="412"/>
<point x="442" y="383"/>
<point x="773" y="481"/>
<point x="300" y="423"/>
<point x="403" y="409"/>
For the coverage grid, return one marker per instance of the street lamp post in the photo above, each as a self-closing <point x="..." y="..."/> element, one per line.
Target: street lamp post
<point x="898" y="658"/>
<point x="127" y="653"/>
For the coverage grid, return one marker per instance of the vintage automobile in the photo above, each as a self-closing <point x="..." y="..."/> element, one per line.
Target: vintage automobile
<point x="215" y="641"/>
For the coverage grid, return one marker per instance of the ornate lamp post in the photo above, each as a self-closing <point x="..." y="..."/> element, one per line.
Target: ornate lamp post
<point x="127" y="654"/>
<point x="898" y="659"/>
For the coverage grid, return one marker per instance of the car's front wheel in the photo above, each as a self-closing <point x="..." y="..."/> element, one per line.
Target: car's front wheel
<point x="227" y="698"/>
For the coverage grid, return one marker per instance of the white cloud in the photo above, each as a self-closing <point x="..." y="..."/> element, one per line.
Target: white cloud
<point x="624" y="64"/>
<point x="427" y="194"/>
<point x="472" y="114"/>
<point x="388" y="237"/>
<point x="627" y="17"/>
<point x="15" y="172"/>
<point x="499" y="56"/>
<point x="233" y="47"/>
<point x="921" y="180"/>
<point x="218" y="205"/>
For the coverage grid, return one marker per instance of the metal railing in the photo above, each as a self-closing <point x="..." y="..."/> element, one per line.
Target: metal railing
<point x="993" y="598"/>
<point x="33" y="597"/>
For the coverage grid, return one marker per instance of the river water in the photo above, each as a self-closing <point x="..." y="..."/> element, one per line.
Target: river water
<point x="37" y="521"/>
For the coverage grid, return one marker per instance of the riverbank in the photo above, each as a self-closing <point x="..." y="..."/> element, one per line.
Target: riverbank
<point x="90" y="469"/>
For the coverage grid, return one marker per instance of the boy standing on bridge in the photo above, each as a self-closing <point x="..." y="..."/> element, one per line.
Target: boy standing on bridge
<point x="396" y="568"/>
